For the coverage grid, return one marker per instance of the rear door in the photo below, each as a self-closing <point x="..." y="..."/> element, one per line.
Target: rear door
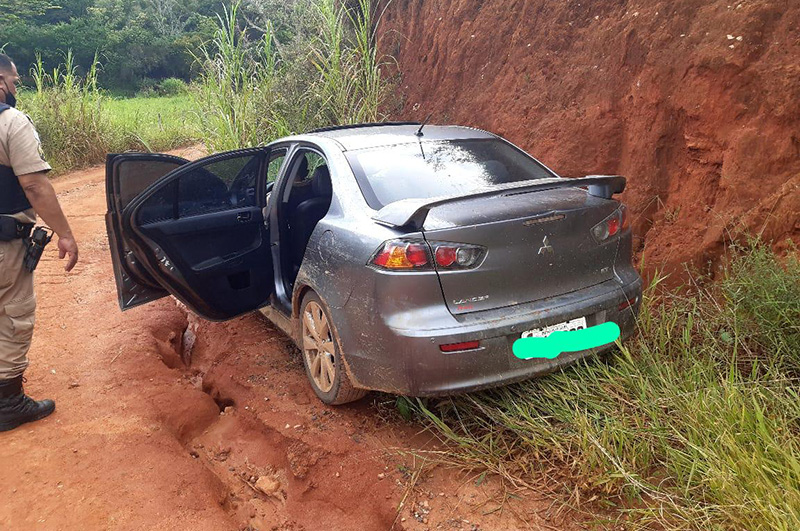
<point x="199" y="233"/>
<point x="128" y="175"/>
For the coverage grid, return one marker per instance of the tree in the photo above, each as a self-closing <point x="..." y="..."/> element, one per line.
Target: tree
<point x="11" y="10"/>
<point x="167" y="17"/>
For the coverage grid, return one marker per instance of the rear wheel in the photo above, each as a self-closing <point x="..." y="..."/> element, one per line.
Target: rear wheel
<point x="321" y="355"/>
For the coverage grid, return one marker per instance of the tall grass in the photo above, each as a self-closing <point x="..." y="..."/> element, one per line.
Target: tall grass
<point x="235" y="95"/>
<point x="694" y="424"/>
<point x="79" y="124"/>
<point x="69" y="114"/>
<point x="158" y="123"/>
<point x="349" y="85"/>
<point x="251" y="92"/>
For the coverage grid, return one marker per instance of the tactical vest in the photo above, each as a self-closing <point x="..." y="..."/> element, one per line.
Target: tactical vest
<point x="12" y="196"/>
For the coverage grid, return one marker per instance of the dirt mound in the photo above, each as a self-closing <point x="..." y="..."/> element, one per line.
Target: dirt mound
<point x="696" y="102"/>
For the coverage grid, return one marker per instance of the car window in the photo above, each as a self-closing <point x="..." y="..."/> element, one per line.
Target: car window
<point x="441" y="168"/>
<point x="215" y="187"/>
<point x="315" y="161"/>
<point x="308" y="163"/>
<point x="136" y="175"/>
<point x="218" y="186"/>
<point x="276" y="159"/>
<point x="303" y="165"/>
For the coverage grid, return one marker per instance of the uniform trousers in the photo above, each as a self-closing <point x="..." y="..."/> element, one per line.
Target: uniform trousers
<point x="17" y="310"/>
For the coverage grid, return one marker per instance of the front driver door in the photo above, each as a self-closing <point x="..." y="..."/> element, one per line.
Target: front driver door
<point x="199" y="233"/>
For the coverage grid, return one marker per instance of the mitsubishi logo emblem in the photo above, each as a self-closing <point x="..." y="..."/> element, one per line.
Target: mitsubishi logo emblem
<point x="546" y="247"/>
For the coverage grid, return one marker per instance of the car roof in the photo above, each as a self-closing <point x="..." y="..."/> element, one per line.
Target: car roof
<point x="376" y="135"/>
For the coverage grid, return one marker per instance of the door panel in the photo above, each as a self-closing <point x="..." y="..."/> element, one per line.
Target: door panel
<point x="127" y="175"/>
<point x="200" y="232"/>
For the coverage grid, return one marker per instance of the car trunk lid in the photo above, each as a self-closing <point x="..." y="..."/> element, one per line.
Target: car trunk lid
<point x="538" y="245"/>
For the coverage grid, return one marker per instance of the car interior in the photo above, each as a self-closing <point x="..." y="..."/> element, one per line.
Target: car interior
<point x="305" y="202"/>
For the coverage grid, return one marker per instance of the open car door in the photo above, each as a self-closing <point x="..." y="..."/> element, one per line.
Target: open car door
<point x="127" y="175"/>
<point x="196" y="232"/>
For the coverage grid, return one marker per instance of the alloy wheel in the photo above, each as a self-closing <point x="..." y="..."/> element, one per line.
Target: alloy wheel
<point x="318" y="347"/>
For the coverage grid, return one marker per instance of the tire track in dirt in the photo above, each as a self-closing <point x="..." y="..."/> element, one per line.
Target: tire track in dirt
<point x="226" y="434"/>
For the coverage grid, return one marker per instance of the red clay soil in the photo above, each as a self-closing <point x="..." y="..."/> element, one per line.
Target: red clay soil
<point x="696" y="102"/>
<point x="165" y="421"/>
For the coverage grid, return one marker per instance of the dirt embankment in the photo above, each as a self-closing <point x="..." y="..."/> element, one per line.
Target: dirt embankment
<point x="696" y="102"/>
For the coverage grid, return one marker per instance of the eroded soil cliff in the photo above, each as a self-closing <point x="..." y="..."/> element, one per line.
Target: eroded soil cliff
<point x="696" y="102"/>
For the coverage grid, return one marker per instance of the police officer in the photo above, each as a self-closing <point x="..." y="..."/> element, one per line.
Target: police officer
<point x="24" y="189"/>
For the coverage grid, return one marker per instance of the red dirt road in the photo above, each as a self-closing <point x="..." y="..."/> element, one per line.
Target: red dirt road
<point x="151" y="434"/>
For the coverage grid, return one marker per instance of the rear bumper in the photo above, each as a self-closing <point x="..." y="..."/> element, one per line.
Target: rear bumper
<point x="414" y="365"/>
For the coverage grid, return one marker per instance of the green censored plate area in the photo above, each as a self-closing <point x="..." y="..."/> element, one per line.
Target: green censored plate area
<point x="565" y="341"/>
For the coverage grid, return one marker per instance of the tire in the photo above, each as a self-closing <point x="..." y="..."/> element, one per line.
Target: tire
<point x="322" y="357"/>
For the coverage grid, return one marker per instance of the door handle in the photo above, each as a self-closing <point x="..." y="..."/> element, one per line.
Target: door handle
<point x="243" y="217"/>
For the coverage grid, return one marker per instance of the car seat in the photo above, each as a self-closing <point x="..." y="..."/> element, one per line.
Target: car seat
<point x="308" y="213"/>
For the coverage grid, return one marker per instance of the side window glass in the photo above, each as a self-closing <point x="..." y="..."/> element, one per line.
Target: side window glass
<point x="216" y="187"/>
<point x="160" y="206"/>
<point x="308" y="162"/>
<point x="136" y="175"/>
<point x="220" y="186"/>
<point x="314" y="161"/>
<point x="276" y="159"/>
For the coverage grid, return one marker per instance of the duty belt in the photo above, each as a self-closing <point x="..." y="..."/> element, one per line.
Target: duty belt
<point x="12" y="229"/>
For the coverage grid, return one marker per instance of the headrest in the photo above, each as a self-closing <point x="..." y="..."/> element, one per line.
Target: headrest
<point x="321" y="182"/>
<point x="302" y="170"/>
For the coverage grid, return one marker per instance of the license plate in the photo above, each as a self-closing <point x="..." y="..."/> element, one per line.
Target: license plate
<point x="574" y="324"/>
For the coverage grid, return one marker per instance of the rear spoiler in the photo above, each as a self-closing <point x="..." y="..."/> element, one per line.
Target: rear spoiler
<point x="411" y="213"/>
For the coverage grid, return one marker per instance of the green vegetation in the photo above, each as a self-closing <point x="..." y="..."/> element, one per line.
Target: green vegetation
<point x="326" y="72"/>
<point x="258" y="78"/>
<point x="693" y="424"/>
<point x="137" y="41"/>
<point x="142" y="43"/>
<point x="157" y="124"/>
<point x="79" y="124"/>
<point x="70" y="115"/>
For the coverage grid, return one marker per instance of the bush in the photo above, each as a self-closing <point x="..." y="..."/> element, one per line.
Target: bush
<point x="79" y="124"/>
<point x="172" y="86"/>
<point x="147" y="88"/>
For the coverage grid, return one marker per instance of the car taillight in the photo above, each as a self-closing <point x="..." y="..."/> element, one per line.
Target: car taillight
<point x="612" y="225"/>
<point x="419" y="255"/>
<point x="453" y="256"/>
<point x="402" y="255"/>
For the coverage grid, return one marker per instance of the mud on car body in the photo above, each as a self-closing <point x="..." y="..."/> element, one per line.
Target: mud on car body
<point x="399" y="258"/>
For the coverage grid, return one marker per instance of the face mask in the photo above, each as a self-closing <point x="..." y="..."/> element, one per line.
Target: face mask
<point x="11" y="100"/>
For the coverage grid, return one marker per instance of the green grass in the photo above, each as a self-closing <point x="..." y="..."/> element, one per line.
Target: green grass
<point x="155" y="123"/>
<point x="693" y="424"/>
<point x="79" y="124"/>
<point x="78" y="130"/>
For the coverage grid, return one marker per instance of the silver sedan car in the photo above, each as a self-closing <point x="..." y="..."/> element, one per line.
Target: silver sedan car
<point x="398" y="257"/>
